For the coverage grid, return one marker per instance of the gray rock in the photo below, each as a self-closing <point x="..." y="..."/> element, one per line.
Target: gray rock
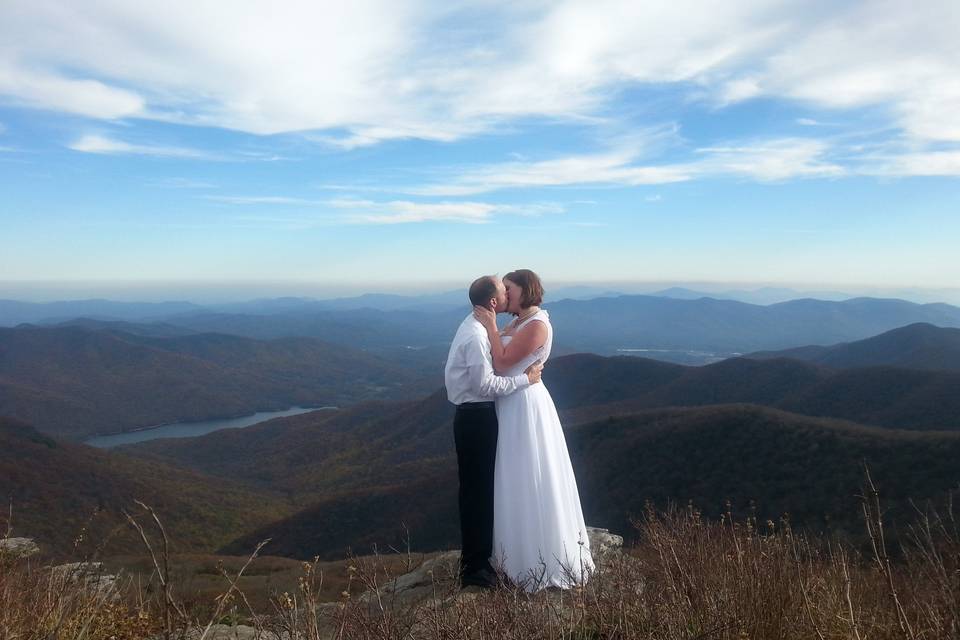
<point x="90" y="574"/>
<point x="437" y="573"/>
<point x="439" y="568"/>
<point x="18" y="547"/>
<point x="602" y="542"/>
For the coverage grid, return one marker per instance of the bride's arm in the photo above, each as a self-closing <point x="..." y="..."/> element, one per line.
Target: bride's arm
<point x="524" y="342"/>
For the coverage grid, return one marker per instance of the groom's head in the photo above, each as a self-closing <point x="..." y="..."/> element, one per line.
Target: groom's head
<point x="489" y="292"/>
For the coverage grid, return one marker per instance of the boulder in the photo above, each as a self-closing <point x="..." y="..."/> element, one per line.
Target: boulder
<point x="18" y="547"/>
<point x="90" y="575"/>
<point x="420" y="582"/>
<point x="603" y="543"/>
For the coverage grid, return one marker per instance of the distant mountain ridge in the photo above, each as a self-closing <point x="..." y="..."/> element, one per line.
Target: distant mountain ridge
<point x="607" y="324"/>
<point x="881" y="396"/>
<point x="916" y="346"/>
<point x="14" y="312"/>
<point x="687" y="331"/>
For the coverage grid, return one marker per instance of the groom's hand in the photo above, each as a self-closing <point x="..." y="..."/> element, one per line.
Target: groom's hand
<point x="533" y="372"/>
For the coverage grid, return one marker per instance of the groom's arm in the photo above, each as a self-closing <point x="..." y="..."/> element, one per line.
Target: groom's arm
<point x="484" y="380"/>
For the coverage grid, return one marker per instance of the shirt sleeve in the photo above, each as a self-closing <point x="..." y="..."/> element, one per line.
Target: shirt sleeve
<point x="483" y="379"/>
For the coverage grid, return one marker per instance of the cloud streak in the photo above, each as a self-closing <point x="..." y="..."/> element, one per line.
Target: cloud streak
<point x="764" y="161"/>
<point x="406" y="211"/>
<point x="93" y="143"/>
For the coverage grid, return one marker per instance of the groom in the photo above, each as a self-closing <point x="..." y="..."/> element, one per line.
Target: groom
<point x="472" y="385"/>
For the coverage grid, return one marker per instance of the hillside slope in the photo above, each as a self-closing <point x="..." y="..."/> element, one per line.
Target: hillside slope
<point x="73" y="381"/>
<point x="916" y="346"/>
<point x="58" y="489"/>
<point x="765" y="462"/>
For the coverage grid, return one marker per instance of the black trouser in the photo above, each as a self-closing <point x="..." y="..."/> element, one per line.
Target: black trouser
<point x="475" y="434"/>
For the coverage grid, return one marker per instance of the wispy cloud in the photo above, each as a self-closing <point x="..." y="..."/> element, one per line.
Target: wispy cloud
<point x="769" y="160"/>
<point x="32" y="87"/>
<point x="181" y="183"/>
<point x="94" y="143"/>
<point x="350" y="210"/>
<point x="762" y="160"/>
<point x="929" y="163"/>
<point x="107" y="145"/>
<point x="260" y="200"/>
<point x="405" y="211"/>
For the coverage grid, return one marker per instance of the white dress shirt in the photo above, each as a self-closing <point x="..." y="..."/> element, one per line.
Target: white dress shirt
<point x="469" y="374"/>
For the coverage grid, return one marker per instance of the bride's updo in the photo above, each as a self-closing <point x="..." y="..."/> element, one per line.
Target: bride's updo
<point x="529" y="283"/>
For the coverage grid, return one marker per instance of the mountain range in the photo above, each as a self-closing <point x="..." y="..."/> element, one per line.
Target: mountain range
<point x="787" y="430"/>
<point x="687" y="331"/>
<point x="380" y="472"/>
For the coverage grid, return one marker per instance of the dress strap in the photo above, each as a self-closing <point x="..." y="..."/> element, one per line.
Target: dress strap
<point x="536" y="316"/>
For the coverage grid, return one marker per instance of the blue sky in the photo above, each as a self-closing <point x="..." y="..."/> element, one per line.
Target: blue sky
<point x="418" y="144"/>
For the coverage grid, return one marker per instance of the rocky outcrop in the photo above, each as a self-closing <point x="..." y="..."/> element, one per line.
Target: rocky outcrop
<point x="434" y="580"/>
<point x="18" y="547"/>
<point x="442" y="569"/>
<point x="90" y="575"/>
<point x="603" y="544"/>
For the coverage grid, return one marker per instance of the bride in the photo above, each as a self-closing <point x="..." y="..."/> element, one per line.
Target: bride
<point x="539" y="536"/>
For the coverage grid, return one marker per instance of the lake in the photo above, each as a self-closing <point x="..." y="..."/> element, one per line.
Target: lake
<point x="192" y="429"/>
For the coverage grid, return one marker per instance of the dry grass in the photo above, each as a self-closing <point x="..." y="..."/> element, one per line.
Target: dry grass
<point x="686" y="578"/>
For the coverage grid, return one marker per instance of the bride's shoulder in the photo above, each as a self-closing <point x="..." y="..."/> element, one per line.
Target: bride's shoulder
<point x="540" y="316"/>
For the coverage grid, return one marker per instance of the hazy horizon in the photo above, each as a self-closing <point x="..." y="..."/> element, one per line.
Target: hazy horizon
<point x="199" y="292"/>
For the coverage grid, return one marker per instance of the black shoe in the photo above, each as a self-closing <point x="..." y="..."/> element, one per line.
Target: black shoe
<point x="483" y="578"/>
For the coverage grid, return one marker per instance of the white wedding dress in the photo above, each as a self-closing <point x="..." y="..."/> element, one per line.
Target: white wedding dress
<point x="539" y="537"/>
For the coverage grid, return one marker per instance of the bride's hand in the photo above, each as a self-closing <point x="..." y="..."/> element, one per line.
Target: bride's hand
<point x="486" y="317"/>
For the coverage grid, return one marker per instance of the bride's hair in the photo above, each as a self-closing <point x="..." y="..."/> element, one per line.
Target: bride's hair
<point x="529" y="284"/>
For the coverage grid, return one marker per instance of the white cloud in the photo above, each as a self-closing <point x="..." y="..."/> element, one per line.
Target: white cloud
<point x="929" y="163"/>
<point x="352" y="75"/>
<point x="372" y="70"/>
<point x="405" y="211"/>
<point x="884" y="52"/>
<point x="181" y="183"/>
<point x="93" y="143"/>
<point x="763" y="160"/>
<point x="362" y="211"/>
<point x="256" y="200"/>
<point x="769" y="160"/>
<point x="590" y="169"/>
<point x="85" y="97"/>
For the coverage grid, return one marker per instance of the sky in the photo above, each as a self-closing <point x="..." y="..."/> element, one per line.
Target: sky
<point x="369" y="145"/>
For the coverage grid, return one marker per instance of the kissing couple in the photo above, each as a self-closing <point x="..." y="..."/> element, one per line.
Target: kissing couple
<point x="519" y="506"/>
